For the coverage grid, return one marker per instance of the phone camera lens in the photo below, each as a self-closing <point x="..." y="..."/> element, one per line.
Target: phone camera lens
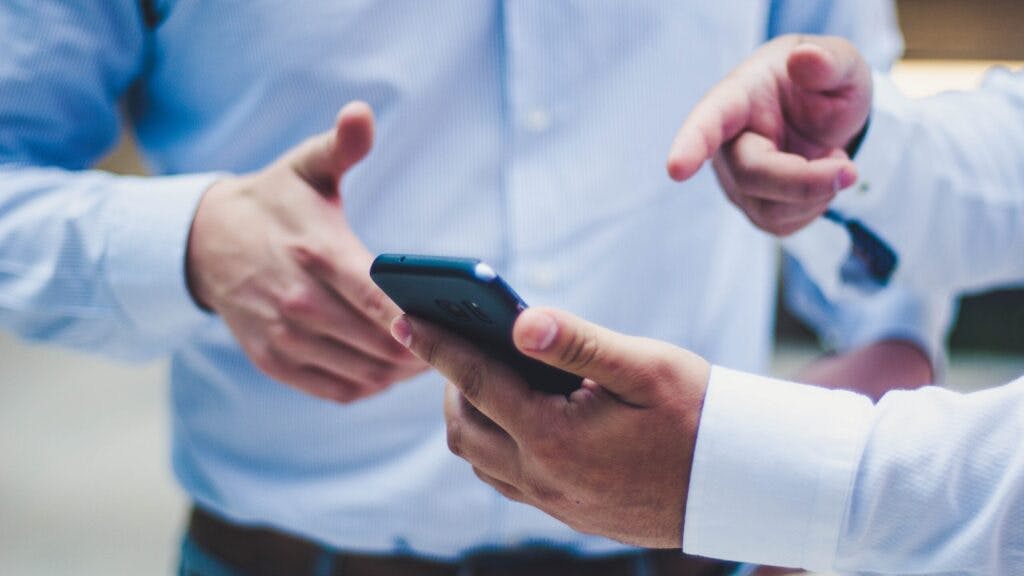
<point x="478" y="311"/>
<point x="453" y="310"/>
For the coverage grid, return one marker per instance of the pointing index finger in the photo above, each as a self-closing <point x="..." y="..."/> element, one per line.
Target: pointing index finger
<point x="722" y="114"/>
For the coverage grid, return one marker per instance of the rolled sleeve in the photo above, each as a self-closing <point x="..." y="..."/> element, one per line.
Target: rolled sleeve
<point x="773" y="470"/>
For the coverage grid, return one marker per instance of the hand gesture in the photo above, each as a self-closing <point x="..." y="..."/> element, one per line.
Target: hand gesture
<point x="777" y="129"/>
<point x="273" y="255"/>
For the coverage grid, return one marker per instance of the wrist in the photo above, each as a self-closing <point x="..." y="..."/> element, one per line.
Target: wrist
<point x="699" y="370"/>
<point x="874" y="369"/>
<point x="196" y="255"/>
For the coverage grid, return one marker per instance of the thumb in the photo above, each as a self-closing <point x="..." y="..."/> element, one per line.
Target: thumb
<point x="827" y="64"/>
<point x="621" y="364"/>
<point x="831" y="99"/>
<point x="323" y="159"/>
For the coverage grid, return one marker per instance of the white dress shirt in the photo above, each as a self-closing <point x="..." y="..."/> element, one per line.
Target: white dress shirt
<point x="924" y="482"/>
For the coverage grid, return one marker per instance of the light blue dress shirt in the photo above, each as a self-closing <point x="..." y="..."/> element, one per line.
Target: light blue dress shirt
<point x="530" y="133"/>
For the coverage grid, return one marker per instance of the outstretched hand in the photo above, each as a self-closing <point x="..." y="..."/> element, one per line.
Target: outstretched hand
<point x="273" y="254"/>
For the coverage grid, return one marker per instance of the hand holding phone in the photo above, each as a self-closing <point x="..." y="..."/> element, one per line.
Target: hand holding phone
<point x="466" y="296"/>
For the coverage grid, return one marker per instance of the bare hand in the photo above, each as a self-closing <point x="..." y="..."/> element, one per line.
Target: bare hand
<point x="613" y="458"/>
<point x="777" y="128"/>
<point x="272" y="254"/>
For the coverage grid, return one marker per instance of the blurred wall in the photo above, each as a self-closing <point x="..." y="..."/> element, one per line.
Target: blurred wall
<point x="963" y="29"/>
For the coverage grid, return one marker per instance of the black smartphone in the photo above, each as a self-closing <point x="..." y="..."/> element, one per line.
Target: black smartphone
<point x="466" y="296"/>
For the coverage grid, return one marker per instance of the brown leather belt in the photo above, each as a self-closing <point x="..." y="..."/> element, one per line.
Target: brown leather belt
<point x="266" y="552"/>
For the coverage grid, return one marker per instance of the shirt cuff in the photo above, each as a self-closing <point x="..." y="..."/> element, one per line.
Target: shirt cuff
<point x="150" y="223"/>
<point x="773" y="470"/>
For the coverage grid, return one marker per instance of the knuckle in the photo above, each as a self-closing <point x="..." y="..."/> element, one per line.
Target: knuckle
<point x="471" y="377"/>
<point x="756" y="221"/>
<point x="747" y="167"/>
<point x="280" y="336"/>
<point x="755" y="210"/>
<point x="344" y="394"/>
<point x="808" y="192"/>
<point x="311" y="255"/>
<point x="775" y="211"/>
<point x="506" y="490"/>
<point x="775" y="228"/>
<point x="297" y="301"/>
<point x="481" y="475"/>
<point x="543" y="493"/>
<point x="374" y="302"/>
<point x="433" y="352"/>
<point x="580" y="352"/>
<point x="792" y="228"/>
<point x="380" y="375"/>
<point x="455" y="437"/>
<point x="264" y="358"/>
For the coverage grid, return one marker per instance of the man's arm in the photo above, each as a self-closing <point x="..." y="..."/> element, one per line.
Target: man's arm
<point x="942" y="177"/>
<point x="892" y="338"/>
<point x="761" y="470"/>
<point x="87" y="259"/>
<point x="98" y="262"/>
<point x="924" y="482"/>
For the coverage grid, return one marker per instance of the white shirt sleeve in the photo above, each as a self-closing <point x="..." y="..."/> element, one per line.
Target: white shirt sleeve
<point x="928" y="481"/>
<point x="942" y="180"/>
<point x="772" y="470"/>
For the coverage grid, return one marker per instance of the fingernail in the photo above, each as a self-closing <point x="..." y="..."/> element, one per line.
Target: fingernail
<point x="844" y="179"/>
<point x="539" y="333"/>
<point x="401" y="330"/>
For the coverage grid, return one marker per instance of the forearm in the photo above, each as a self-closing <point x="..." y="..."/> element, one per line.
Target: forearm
<point x="892" y="339"/>
<point x="940" y="486"/>
<point x="873" y="370"/>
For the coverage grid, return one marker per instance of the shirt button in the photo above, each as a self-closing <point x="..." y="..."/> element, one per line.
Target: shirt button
<point x="543" y="278"/>
<point x="537" y="120"/>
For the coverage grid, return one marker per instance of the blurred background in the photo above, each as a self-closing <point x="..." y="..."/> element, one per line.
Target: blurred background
<point x="85" y="483"/>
